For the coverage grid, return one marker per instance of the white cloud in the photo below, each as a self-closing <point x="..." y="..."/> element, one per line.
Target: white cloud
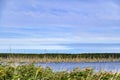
<point x="47" y="47"/>
<point x="57" y="41"/>
<point x="35" y="12"/>
<point x="54" y="43"/>
<point x="33" y="41"/>
<point x="73" y="22"/>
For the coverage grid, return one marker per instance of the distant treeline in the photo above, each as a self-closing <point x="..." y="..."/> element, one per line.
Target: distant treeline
<point x="63" y="55"/>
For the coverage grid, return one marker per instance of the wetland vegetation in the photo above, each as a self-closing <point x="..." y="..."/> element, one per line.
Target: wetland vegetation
<point x="61" y="57"/>
<point x="31" y="72"/>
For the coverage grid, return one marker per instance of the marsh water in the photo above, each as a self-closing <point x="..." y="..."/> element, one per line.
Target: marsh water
<point x="68" y="66"/>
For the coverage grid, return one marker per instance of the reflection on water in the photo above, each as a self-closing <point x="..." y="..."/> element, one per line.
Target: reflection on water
<point x="61" y="66"/>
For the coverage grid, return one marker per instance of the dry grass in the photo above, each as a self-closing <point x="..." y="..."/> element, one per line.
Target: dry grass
<point x="56" y="59"/>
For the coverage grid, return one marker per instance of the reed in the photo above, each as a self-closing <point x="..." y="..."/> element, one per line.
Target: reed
<point x="59" y="57"/>
<point x="31" y="72"/>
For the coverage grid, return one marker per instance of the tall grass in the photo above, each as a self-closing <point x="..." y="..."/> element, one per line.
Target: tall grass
<point x="59" y="57"/>
<point x="30" y="72"/>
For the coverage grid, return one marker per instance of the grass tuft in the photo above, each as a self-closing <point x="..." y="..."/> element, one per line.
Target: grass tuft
<point x="31" y="72"/>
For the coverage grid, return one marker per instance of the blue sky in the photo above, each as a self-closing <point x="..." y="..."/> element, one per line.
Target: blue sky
<point x="58" y="24"/>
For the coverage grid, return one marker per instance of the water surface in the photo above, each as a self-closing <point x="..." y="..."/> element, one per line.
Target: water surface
<point x="68" y="66"/>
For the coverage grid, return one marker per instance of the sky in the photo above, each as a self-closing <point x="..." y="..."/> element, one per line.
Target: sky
<point x="60" y="25"/>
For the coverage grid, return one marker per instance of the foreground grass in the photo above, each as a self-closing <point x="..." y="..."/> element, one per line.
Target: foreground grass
<point x="30" y="72"/>
<point x="98" y="57"/>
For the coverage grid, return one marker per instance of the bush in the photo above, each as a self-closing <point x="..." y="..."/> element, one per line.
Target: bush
<point x="31" y="72"/>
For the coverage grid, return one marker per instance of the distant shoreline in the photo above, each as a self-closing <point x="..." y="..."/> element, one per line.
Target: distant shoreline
<point x="59" y="57"/>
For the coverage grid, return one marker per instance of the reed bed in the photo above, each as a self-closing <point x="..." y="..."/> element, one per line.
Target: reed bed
<point x="31" y="72"/>
<point x="59" y="57"/>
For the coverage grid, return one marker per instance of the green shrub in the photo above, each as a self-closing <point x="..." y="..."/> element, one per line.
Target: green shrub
<point x="31" y="72"/>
